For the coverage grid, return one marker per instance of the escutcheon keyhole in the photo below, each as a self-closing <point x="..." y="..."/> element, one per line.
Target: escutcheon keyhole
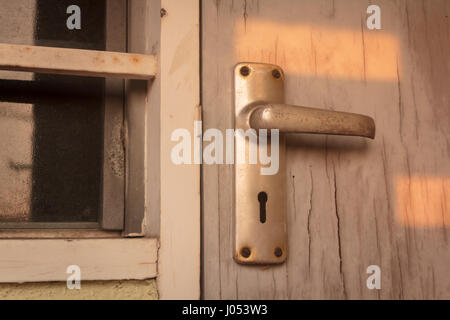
<point x="262" y="198"/>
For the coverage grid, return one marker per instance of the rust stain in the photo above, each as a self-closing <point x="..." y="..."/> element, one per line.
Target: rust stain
<point x="99" y="59"/>
<point x="135" y="59"/>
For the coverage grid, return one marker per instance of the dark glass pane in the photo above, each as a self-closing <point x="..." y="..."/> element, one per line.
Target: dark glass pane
<point x="51" y="126"/>
<point x="51" y="27"/>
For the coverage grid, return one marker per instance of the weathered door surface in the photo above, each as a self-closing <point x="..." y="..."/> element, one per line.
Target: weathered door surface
<point x="352" y="202"/>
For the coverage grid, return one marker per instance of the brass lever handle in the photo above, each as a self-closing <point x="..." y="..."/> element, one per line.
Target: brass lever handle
<point x="295" y="119"/>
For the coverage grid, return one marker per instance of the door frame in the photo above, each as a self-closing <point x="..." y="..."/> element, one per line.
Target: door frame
<point x="174" y="95"/>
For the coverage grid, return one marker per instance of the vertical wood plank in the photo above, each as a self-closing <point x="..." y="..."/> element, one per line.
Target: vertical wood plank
<point x="113" y="205"/>
<point x="179" y="258"/>
<point x="135" y="126"/>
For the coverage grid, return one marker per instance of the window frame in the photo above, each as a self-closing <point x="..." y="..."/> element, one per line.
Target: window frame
<point x="170" y="42"/>
<point x="112" y="213"/>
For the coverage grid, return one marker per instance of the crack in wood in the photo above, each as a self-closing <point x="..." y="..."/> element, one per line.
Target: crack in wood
<point x="338" y="224"/>
<point x="309" y="219"/>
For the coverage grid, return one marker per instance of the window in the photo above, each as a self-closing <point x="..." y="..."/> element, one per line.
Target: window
<point x="66" y="99"/>
<point x="61" y="145"/>
<point x="153" y="228"/>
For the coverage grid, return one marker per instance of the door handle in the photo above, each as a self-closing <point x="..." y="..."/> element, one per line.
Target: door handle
<point x="260" y="200"/>
<point x="295" y="119"/>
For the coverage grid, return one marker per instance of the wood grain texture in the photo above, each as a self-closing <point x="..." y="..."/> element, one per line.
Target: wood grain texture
<point x="179" y="255"/>
<point x="38" y="260"/>
<point x="76" y="62"/>
<point x="58" y="234"/>
<point x="113" y="202"/>
<point x="352" y="203"/>
<point x="90" y="290"/>
<point x="135" y="125"/>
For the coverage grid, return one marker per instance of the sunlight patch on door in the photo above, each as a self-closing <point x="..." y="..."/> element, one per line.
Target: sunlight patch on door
<point x="423" y="201"/>
<point x="315" y="51"/>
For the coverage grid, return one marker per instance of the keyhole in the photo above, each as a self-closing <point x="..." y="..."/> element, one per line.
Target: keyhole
<point x="262" y="198"/>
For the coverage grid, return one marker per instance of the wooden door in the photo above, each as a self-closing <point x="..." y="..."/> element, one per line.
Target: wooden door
<point x="352" y="202"/>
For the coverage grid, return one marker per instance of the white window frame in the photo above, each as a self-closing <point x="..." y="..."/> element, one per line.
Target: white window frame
<point x="170" y="249"/>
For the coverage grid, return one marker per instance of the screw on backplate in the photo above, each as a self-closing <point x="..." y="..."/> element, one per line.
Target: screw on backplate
<point x="278" y="252"/>
<point x="163" y="12"/>
<point x="246" y="252"/>
<point x="245" y="71"/>
<point x="276" y="74"/>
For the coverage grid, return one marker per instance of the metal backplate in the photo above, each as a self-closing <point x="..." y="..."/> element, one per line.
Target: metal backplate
<point x="258" y="241"/>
